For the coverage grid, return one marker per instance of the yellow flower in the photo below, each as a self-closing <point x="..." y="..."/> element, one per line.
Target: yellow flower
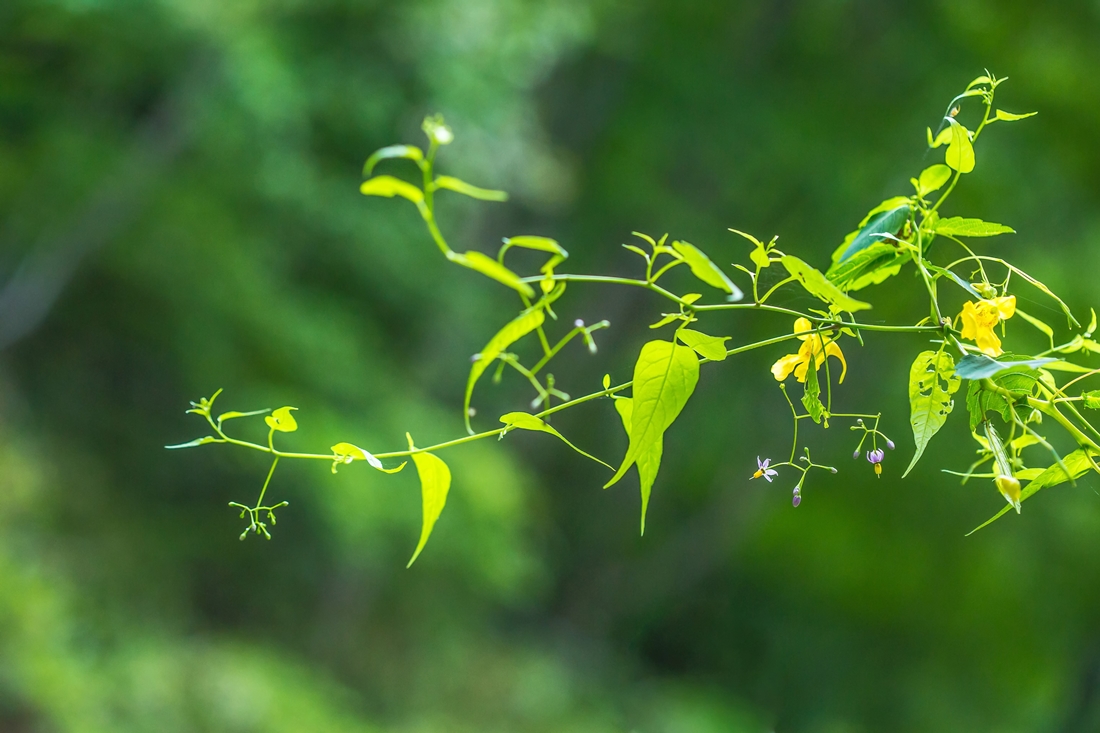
<point x="815" y="347"/>
<point x="979" y="319"/>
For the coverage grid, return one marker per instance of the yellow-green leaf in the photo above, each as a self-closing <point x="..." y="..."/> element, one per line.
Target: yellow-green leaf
<point x="817" y="286"/>
<point x="389" y="186"/>
<point x="665" y="375"/>
<point x="960" y="152"/>
<point x="519" y="327"/>
<point x="233" y="414"/>
<point x="526" y="421"/>
<point x="392" y="151"/>
<point x="458" y="186"/>
<point x="435" y="482"/>
<point x="942" y="138"/>
<point x="282" y="421"/>
<point x="1038" y="325"/>
<point x="957" y="226"/>
<point x="346" y="453"/>
<point x="1010" y="117"/>
<point x="491" y="268"/>
<point x="932" y="179"/>
<point x="648" y="460"/>
<point x="1078" y="462"/>
<point x="932" y="381"/>
<point x="702" y="267"/>
<point x="708" y="347"/>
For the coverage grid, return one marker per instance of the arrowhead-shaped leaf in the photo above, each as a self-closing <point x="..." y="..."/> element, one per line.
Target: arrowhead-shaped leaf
<point x="649" y="460"/>
<point x="665" y="375"/>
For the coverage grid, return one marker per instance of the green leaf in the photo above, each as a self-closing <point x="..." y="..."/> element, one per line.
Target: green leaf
<point x="519" y="327"/>
<point x="980" y="366"/>
<point x="932" y="381"/>
<point x="932" y="179"/>
<point x="648" y="460"/>
<point x="1011" y="117"/>
<point x="542" y="244"/>
<point x="282" y="421"/>
<point x="458" y="186"/>
<point x="958" y="280"/>
<point x="869" y="266"/>
<point x="811" y="398"/>
<point x="960" y="152"/>
<point x="435" y="482"/>
<point x="1017" y="379"/>
<point x="888" y="218"/>
<point x="1038" y="325"/>
<point x="389" y="186"/>
<point x="192" y="443"/>
<point x="708" y="347"/>
<point x="1078" y="463"/>
<point x="393" y="151"/>
<point x="705" y="270"/>
<point x="539" y="244"/>
<point x="346" y="453"/>
<point x="816" y="285"/>
<point x="526" y="421"/>
<point x="942" y="138"/>
<point x="491" y="268"/>
<point x="233" y="414"/>
<point x="957" y="226"/>
<point x="665" y="375"/>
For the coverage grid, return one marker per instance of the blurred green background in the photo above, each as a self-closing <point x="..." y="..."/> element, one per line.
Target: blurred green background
<point x="179" y="212"/>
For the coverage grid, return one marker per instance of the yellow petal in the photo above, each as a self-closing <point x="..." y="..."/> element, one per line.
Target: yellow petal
<point x="970" y="321"/>
<point x="833" y="350"/>
<point x="801" y="369"/>
<point x="1006" y="306"/>
<point x="782" y="368"/>
<point x="801" y="325"/>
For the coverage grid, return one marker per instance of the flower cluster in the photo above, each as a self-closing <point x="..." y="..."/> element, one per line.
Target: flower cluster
<point x="979" y="320"/>
<point x="815" y="348"/>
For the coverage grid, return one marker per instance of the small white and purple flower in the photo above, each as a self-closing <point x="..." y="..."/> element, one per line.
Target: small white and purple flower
<point x="762" y="469"/>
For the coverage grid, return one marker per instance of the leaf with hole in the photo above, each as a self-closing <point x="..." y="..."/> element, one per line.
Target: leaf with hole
<point x="932" y="381"/>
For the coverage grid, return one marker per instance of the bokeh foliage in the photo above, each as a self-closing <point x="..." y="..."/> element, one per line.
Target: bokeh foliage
<point x="186" y="175"/>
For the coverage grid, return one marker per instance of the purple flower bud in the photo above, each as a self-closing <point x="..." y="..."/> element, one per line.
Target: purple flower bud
<point x="578" y="323"/>
<point x="796" y="500"/>
<point x="855" y="455"/>
<point x="890" y="444"/>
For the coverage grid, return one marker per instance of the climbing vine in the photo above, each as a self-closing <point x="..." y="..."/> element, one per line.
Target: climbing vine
<point x="1011" y="399"/>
